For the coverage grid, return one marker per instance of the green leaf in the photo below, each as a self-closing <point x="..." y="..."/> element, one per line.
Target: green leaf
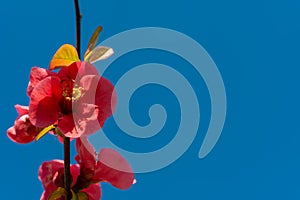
<point x="99" y="53"/>
<point x="44" y="132"/>
<point x="93" y="41"/>
<point x="56" y="194"/>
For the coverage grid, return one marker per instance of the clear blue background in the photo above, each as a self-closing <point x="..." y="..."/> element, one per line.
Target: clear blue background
<point x="255" y="45"/>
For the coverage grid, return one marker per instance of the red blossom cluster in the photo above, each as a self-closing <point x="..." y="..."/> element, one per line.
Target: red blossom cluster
<point x="73" y="102"/>
<point x="76" y="100"/>
<point x="108" y="166"/>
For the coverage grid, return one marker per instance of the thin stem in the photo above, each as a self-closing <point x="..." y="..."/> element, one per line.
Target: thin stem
<point x="67" y="174"/>
<point x="78" y="20"/>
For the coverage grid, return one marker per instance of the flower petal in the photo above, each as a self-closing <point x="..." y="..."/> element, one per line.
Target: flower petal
<point x="46" y="173"/>
<point x="58" y="178"/>
<point x="113" y="168"/>
<point x="21" y="110"/>
<point x="23" y="131"/>
<point x="86" y="69"/>
<point x="96" y="105"/>
<point x="93" y="191"/>
<point x="88" y="125"/>
<point x="86" y="158"/>
<point x="67" y="126"/>
<point x="105" y="99"/>
<point x="85" y="111"/>
<point x="77" y="70"/>
<point x="75" y="172"/>
<point x="44" y="102"/>
<point x="36" y="75"/>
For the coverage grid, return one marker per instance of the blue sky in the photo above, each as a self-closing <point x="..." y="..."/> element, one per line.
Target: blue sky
<point x="255" y="45"/>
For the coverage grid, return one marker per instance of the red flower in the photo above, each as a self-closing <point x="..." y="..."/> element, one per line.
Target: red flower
<point x="23" y="131"/>
<point x="110" y="167"/>
<point x="77" y="99"/>
<point x="51" y="175"/>
<point x="36" y="75"/>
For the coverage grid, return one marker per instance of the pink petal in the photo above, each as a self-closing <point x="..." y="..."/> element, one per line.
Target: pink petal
<point x="69" y="72"/>
<point x="36" y="75"/>
<point x="75" y="172"/>
<point x="44" y="102"/>
<point x="113" y="168"/>
<point x="96" y="105"/>
<point x="67" y="126"/>
<point x="58" y="178"/>
<point x="85" y="110"/>
<point x="86" y="158"/>
<point x="44" y="197"/>
<point x="93" y="191"/>
<point x="88" y="125"/>
<point x="46" y="173"/>
<point x="77" y="70"/>
<point x="105" y="99"/>
<point x="22" y="110"/>
<point x="89" y="83"/>
<point x="87" y="122"/>
<point x="86" y="69"/>
<point x="23" y="131"/>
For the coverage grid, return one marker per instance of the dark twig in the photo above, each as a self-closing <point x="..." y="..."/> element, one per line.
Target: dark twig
<point x="78" y="20"/>
<point x="67" y="174"/>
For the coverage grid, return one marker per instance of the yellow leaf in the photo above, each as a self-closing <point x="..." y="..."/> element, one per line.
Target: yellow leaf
<point x="82" y="196"/>
<point x="64" y="56"/>
<point x="44" y="132"/>
<point x="74" y="196"/>
<point x="93" y="41"/>
<point x="57" y="194"/>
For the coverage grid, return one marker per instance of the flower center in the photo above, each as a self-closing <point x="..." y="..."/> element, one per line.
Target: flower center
<point x="76" y="93"/>
<point x="71" y="93"/>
